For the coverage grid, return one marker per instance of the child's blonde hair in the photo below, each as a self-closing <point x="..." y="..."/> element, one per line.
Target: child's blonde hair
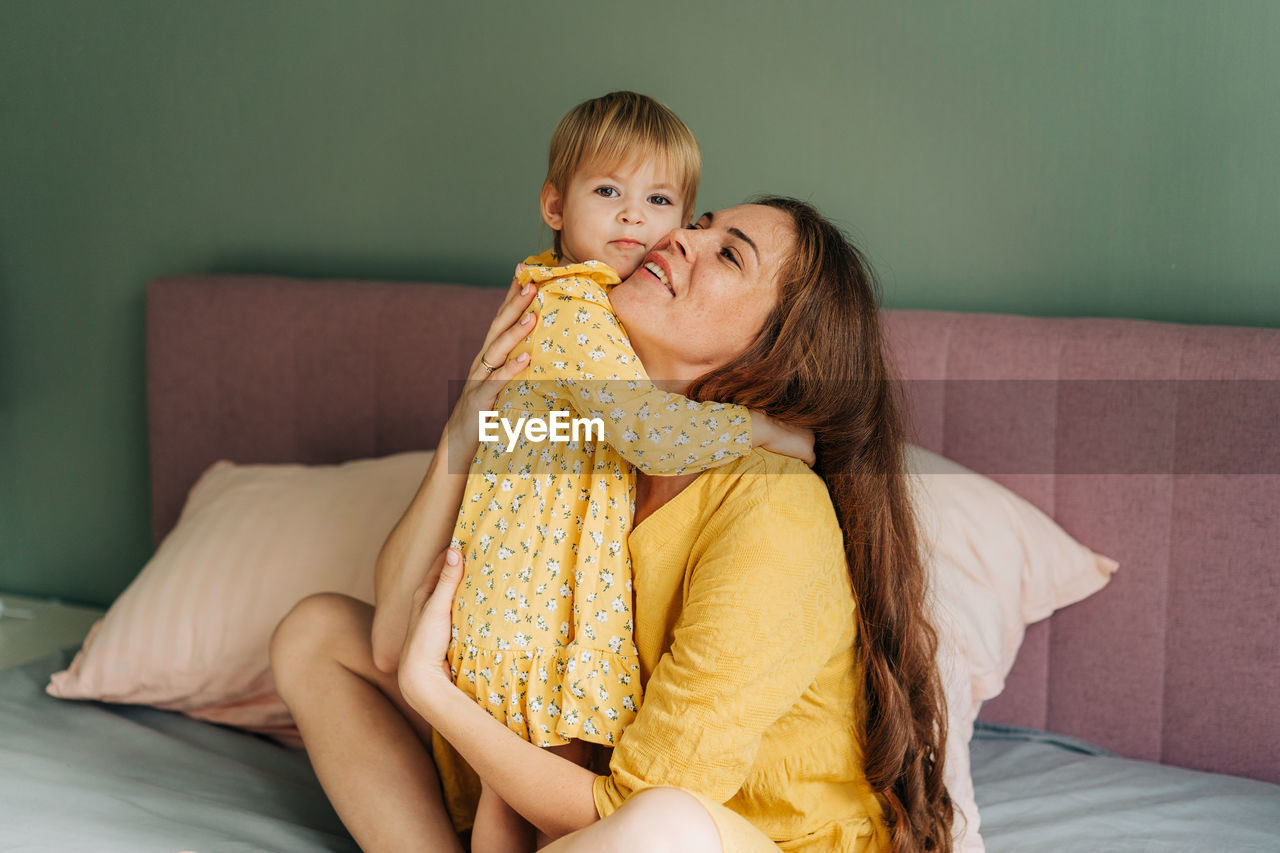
<point x="616" y="128"/>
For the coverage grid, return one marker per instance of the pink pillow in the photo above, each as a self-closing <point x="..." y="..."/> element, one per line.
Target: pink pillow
<point x="996" y="564"/>
<point x="191" y="632"/>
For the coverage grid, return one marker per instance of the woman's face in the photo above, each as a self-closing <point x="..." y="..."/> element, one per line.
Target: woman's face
<point x="702" y="294"/>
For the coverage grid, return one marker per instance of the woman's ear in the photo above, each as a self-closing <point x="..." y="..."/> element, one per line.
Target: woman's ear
<point x="552" y="206"/>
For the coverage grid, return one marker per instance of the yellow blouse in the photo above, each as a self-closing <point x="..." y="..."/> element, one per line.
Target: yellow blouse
<point x="749" y="658"/>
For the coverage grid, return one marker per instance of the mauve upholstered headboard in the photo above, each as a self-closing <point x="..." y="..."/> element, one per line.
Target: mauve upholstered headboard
<point x="258" y="369"/>
<point x="1153" y="443"/>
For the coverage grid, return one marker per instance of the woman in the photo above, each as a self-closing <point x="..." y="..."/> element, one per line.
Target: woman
<point x="776" y="707"/>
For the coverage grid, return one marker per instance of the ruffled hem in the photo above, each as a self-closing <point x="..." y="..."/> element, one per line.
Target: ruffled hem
<point x="553" y="695"/>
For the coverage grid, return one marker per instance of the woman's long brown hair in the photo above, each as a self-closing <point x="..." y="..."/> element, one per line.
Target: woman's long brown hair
<point x="819" y="362"/>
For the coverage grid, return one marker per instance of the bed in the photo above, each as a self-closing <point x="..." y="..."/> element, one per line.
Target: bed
<point x="1138" y="719"/>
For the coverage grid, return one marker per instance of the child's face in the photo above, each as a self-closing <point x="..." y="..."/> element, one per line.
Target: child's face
<point x="616" y="214"/>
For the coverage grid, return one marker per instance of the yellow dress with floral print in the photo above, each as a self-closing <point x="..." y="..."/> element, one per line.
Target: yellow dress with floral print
<point x="542" y="623"/>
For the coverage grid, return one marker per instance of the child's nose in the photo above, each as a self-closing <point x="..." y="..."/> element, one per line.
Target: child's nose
<point x="631" y="216"/>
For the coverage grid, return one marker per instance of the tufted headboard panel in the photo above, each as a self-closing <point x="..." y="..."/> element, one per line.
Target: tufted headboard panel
<point x="258" y="369"/>
<point x="1158" y="445"/>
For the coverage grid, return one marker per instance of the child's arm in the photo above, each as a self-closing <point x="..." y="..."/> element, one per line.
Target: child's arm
<point x="582" y="348"/>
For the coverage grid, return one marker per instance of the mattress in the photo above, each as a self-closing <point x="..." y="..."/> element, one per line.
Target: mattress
<point x="1044" y="792"/>
<point x="88" y="776"/>
<point x="77" y="776"/>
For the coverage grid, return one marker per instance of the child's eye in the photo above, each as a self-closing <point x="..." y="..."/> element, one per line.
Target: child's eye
<point x="606" y="192"/>
<point x="660" y="200"/>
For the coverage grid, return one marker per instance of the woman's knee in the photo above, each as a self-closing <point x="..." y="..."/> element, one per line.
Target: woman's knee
<point x="665" y="819"/>
<point x="321" y="626"/>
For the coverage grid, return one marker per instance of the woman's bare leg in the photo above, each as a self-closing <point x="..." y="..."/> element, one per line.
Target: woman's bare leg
<point x="368" y="747"/>
<point x="656" y="820"/>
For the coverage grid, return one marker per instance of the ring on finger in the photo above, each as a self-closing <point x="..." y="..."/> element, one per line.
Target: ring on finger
<point x="489" y="368"/>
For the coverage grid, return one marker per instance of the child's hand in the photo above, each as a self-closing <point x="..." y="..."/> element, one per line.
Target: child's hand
<point x="780" y="437"/>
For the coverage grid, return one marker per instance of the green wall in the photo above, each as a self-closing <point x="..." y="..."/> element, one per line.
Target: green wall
<point x="1084" y="158"/>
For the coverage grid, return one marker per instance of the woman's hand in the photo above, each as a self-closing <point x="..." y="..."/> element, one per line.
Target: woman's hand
<point x="492" y="368"/>
<point x="424" y="664"/>
<point x="781" y="437"/>
<point x="553" y="793"/>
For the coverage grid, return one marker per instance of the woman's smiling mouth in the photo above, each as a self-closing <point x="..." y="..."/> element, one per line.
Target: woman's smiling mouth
<point x="655" y="269"/>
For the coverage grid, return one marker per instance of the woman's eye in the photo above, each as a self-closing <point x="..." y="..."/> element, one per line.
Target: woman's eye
<point x="691" y="227"/>
<point x="727" y="254"/>
<point x="659" y="200"/>
<point x="606" y="192"/>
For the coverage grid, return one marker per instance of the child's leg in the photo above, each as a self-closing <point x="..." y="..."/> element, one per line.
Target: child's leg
<point x="499" y="828"/>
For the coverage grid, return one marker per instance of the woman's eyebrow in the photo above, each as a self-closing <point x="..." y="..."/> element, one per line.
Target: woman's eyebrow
<point x="711" y="217"/>
<point x="744" y="238"/>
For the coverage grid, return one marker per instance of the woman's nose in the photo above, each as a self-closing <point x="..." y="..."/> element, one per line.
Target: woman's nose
<point x="682" y="241"/>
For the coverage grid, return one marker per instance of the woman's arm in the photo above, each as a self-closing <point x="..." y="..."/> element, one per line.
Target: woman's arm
<point x="424" y="529"/>
<point x="552" y="793"/>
